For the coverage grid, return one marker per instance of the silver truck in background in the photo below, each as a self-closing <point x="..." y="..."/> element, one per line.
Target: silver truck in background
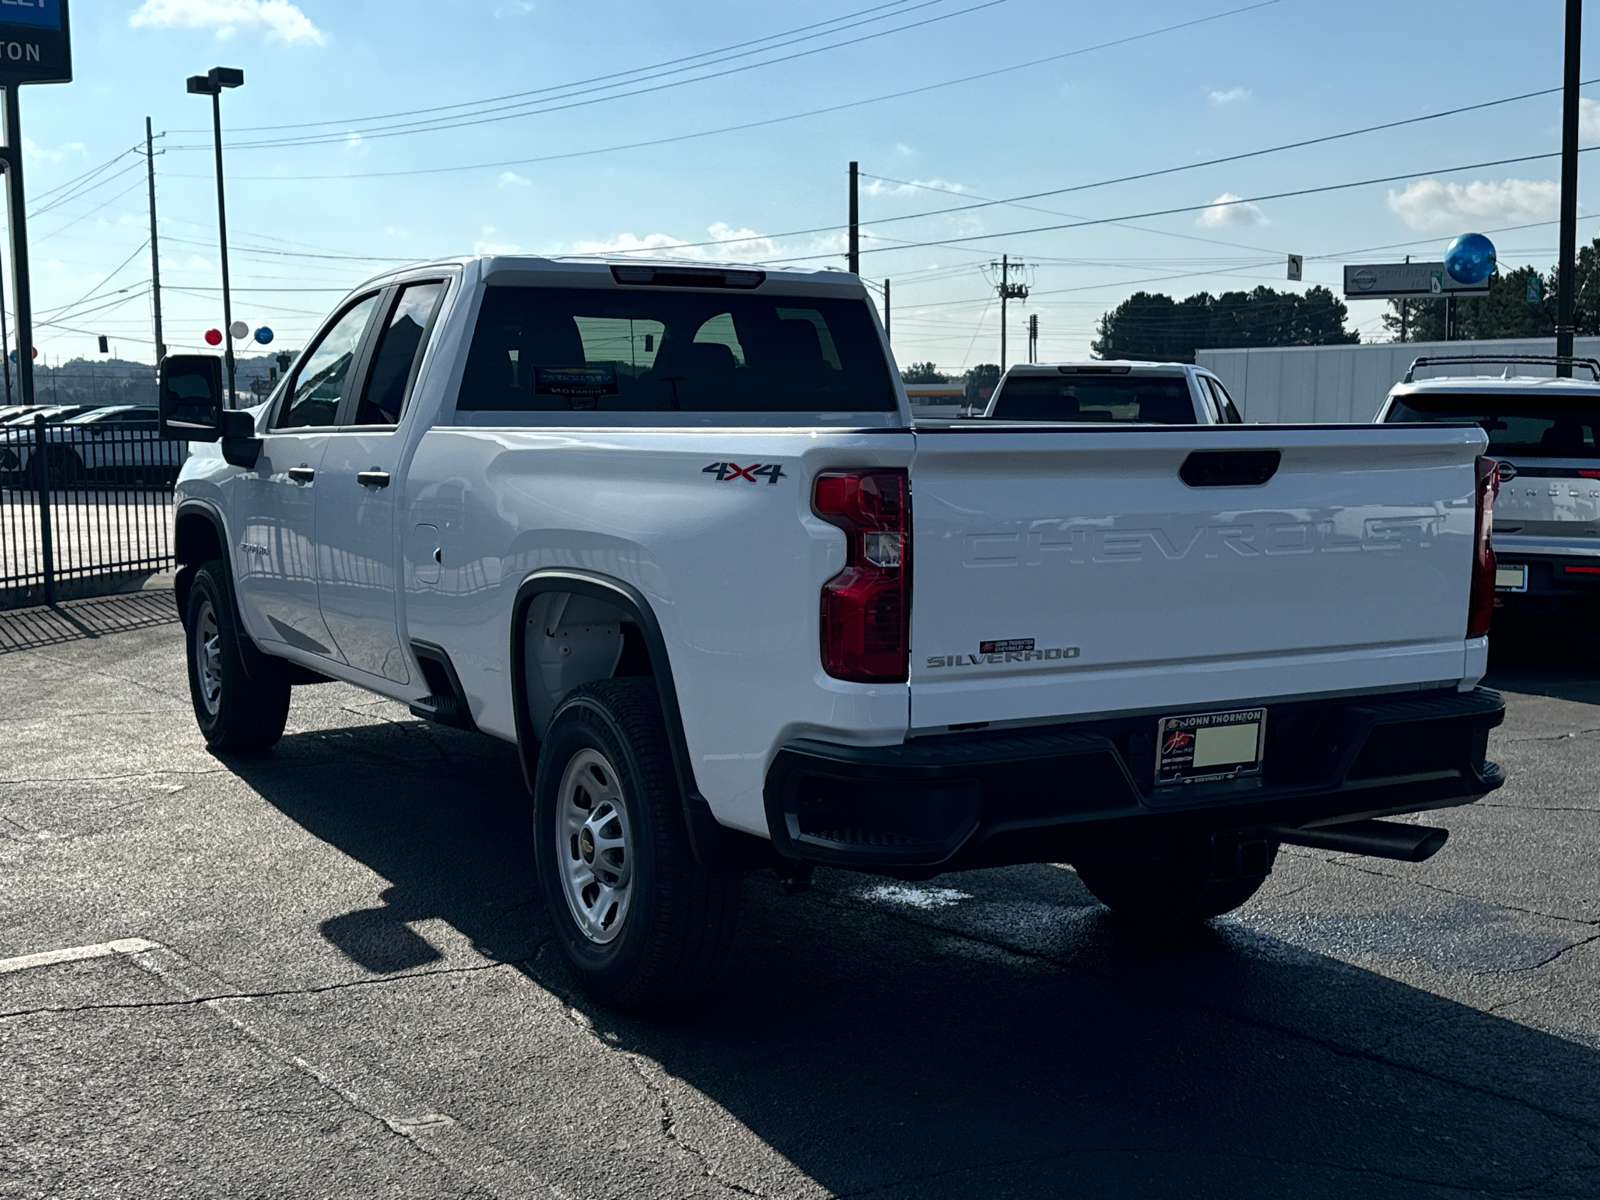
<point x="1544" y="433"/>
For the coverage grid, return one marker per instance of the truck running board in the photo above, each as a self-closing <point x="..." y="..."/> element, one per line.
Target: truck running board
<point x="1380" y="839"/>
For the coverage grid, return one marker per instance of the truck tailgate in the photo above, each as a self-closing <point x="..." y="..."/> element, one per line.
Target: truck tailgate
<point x="1071" y="572"/>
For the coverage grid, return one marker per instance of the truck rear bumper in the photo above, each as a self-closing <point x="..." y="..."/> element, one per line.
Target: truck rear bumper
<point x="1051" y="794"/>
<point x="1554" y="584"/>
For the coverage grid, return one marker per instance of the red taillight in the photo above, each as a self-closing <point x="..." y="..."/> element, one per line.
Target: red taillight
<point x="866" y="608"/>
<point x="1481" y="607"/>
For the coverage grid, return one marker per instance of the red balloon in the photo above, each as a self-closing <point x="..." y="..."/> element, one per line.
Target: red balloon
<point x="213" y="337"/>
<point x="36" y="352"/>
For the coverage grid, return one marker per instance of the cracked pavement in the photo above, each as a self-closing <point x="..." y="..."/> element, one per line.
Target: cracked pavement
<point x="345" y="987"/>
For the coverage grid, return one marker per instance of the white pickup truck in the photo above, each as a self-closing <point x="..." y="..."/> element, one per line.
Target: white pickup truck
<point x="668" y="528"/>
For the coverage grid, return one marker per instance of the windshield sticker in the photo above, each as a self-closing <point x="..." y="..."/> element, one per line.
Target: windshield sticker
<point x="582" y="386"/>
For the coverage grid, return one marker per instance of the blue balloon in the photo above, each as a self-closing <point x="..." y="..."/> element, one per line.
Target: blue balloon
<point x="1470" y="258"/>
<point x="264" y="335"/>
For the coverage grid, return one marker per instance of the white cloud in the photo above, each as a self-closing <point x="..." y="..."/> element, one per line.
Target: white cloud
<point x="517" y="8"/>
<point x="1430" y="204"/>
<point x="512" y="179"/>
<point x="1228" y="209"/>
<point x="355" y="144"/>
<point x="732" y="245"/>
<point x="198" y="264"/>
<point x="484" y="246"/>
<point x="1231" y="95"/>
<point x="902" y="148"/>
<point x="37" y="152"/>
<point x="277" y="18"/>
<point x="883" y="187"/>
<point x="1588" y="120"/>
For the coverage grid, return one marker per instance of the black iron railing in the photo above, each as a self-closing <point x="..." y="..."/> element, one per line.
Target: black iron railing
<point x="84" y="508"/>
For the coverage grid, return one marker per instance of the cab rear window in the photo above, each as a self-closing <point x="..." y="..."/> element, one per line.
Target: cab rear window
<point x="1149" y="399"/>
<point x="1535" y="429"/>
<point x="639" y="350"/>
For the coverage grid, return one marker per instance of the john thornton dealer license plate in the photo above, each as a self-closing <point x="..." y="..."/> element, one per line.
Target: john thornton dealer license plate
<point x="1208" y="746"/>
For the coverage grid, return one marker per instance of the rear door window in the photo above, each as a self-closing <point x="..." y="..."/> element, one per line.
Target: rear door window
<point x="1097" y="400"/>
<point x="1226" y="412"/>
<point x="399" y="352"/>
<point x="655" y="350"/>
<point x="1518" y="427"/>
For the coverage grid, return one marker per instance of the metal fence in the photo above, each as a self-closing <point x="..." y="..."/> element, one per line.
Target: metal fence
<point x="84" y="509"/>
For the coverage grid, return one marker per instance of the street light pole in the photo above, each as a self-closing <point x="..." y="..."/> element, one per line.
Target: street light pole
<point x="211" y="84"/>
<point x="1566" y="274"/>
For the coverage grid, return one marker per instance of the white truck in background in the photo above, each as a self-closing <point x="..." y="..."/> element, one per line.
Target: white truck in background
<point x="668" y="528"/>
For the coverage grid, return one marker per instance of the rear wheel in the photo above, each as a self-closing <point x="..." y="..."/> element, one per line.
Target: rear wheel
<point x="1179" y="888"/>
<point x="57" y="468"/>
<point x="235" y="710"/>
<point x="639" y="921"/>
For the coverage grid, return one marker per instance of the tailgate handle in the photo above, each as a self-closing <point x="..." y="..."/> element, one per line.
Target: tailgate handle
<point x="1230" y="468"/>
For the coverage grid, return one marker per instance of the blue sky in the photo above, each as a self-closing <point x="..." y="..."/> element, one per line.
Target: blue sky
<point x="307" y="221"/>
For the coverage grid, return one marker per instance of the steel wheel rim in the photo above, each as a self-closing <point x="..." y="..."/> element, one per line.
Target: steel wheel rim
<point x="594" y="846"/>
<point x="208" y="657"/>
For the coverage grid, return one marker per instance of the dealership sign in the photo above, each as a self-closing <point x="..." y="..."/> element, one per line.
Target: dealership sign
<point x="35" y="46"/>
<point x="1395" y="281"/>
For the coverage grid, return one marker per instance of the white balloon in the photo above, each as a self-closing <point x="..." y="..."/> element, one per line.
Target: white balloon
<point x="239" y="329"/>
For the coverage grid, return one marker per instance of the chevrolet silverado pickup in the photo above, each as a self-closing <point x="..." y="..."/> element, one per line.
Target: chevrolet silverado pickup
<point x="668" y="528"/>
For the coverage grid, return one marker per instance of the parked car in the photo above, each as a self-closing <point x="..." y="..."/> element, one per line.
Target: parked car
<point x="1112" y="392"/>
<point x="114" y="443"/>
<point x="668" y="529"/>
<point x="1544" y="433"/>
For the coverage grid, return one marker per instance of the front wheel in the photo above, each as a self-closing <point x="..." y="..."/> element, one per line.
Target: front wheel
<point x="235" y="710"/>
<point x="1180" y="888"/>
<point x="639" y="921"/>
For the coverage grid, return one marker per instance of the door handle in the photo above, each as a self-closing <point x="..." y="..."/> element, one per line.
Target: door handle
<point x="302" y="474"/>
<point x="373" y="478"/>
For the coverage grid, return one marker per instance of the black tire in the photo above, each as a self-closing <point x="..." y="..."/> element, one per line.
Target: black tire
<point x="1176" y="890"/>
<point x="236" y="711"/>
<point x="670" y="933"/>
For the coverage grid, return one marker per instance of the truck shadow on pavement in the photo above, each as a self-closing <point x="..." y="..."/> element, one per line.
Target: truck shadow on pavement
<point x="990" y="1034"/>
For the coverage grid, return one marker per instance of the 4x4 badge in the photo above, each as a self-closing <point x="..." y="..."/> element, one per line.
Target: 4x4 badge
<point x="726" y="472"/>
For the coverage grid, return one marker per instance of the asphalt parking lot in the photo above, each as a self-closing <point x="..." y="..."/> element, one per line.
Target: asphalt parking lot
<point x="323" y="973"/>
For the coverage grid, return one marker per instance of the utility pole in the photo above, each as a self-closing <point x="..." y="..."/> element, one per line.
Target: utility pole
<point x="5" y="342"/>
<point x="886" y="334"/>
<point x="1405" y="309"/>
<point x="1008" y="291"/>
<point x="15" y="197"/>
<point x="155" y="254"/>
<point x="1033" y="337"/>
<point x="855" y="225"/>
<point x="1567" y="276"/>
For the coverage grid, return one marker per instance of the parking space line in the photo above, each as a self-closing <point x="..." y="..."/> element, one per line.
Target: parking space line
<point x="46" y="958"/>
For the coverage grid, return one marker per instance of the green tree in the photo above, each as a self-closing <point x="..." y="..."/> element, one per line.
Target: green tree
<point x="1152" y="327"/>
<point x="984" y="375"/>
<point x="924" y="372"/>
<point x="1505" y="312"/>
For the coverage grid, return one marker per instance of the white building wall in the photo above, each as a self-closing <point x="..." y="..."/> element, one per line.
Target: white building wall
<point x="1335" y="384"/>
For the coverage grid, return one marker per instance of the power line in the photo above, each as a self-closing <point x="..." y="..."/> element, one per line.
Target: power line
<point x="1212" y="162"/>
<point x="832" y="108"/>
<point x="595" y="79"/>
<point x="1188" y="208"/>
<point x="551" y="107"/>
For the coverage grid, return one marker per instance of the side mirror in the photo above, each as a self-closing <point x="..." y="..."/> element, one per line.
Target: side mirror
<point x="190" y="388"/>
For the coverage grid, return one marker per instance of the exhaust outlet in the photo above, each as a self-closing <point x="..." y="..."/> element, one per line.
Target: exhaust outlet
<point x="1380" y="839"/>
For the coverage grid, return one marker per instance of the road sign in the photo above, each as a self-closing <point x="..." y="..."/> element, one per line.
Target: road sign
<point x="1385" y="281"/>
<point x="35" y="43"/>
<point x="261" y="387"/>
<point x="1296" y="262"/>
<point x="1533" y="289"/>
